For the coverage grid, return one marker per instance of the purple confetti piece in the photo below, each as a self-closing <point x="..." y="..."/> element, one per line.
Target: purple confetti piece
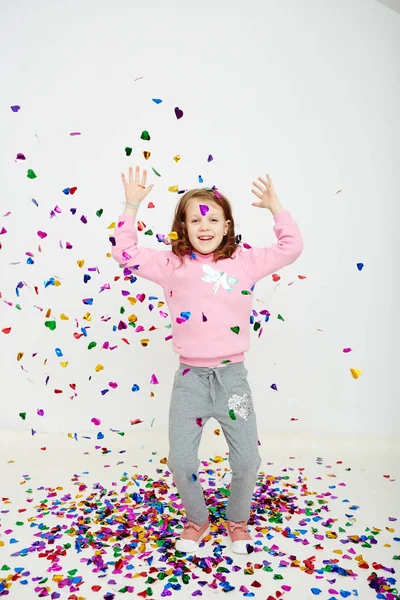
<point x="83" y="219"/>
<point x="204" y="209"/>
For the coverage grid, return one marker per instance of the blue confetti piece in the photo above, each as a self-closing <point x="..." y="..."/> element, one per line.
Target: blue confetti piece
<point x="58" y="352"/>
<point x="135" y="387"/>
<point x="360" y="266"/>
<point x="88" y="301"/>
<point x="316" y="591"/>
<point x="30" y="261"/>
<point x="103" y="392"/>
<point x="157" y="100"/>
<point x="34" y="201"/>
<point x="100" y="436"/>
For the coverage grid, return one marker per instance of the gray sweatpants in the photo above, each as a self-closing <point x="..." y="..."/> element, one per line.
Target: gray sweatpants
<point x="223" y="393"/>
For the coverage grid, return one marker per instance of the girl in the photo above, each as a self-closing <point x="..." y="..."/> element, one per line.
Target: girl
<point x="208" y="280"/>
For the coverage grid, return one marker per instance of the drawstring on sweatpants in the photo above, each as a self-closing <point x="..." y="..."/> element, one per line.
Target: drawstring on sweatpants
<point x="216" y="371"/>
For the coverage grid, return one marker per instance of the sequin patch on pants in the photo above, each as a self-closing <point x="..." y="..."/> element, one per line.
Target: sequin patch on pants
<point x="242" y="406"/>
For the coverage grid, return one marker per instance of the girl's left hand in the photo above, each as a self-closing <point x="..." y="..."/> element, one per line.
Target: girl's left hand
<point x="267" y="196"/>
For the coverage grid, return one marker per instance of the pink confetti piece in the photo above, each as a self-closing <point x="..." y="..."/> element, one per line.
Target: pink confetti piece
<point x="95" y="421"/>
<point x="42" y="234"/>
<point x="154" y="379"/>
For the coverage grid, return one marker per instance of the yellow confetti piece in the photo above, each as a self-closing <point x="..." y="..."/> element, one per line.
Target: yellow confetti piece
<point x="109" y="255"/>
<point x="132" y="300"/>
<point x="57" y="283"/>
<point x="64" y="317"/>
<point x="177" y="158"/>
<point x="173" y="235"/>
<point x="132" y="318"/>
<point x="99" y="368"/>
<point x="356" y="373"/>
<point x="80" y="263"/>
<point x="64" y="363"/>
<point x="217" y="459"/>
<point x="112" y="226"/>
<point x="19" y="355"/>
<point x="48" y="313"/>
<point x="145" y="342"/>
<point x="87" y="317"/>
<point x="337" y="551"/>
<point x="217" y="431"/>
<point x="160" y="304"/>
<point x="173" y="188"/>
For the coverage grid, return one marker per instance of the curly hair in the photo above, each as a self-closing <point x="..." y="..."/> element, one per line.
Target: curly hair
<point x="182" y="246"/>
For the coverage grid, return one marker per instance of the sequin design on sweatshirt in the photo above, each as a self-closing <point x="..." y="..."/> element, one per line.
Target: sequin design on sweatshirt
<point x="219" y="278"/>
<point x="242" y="406"/>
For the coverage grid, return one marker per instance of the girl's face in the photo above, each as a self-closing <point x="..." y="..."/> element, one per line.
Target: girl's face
<point x="211" y="225"/>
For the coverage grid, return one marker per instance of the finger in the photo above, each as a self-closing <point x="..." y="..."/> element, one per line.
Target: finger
<point x="257" y="185"/>
<point x="264" y="182"/>
<point x="137" y="173"/>
<point x="123" y="179"/>
<point x="256" y="194"/>
<point x="144" y="177"/>
<point x="130" y="175"/>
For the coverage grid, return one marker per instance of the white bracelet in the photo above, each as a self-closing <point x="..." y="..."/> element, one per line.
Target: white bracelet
<point x="130" y="204"/>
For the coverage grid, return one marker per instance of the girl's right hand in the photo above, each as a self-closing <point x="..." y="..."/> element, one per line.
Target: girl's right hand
<point x="135" y="192"/>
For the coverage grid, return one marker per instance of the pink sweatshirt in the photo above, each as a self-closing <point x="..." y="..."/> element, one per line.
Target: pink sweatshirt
<point x="210" y="304"/>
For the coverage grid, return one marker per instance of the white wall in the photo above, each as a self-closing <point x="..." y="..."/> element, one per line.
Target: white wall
<point x="306" y="91"/>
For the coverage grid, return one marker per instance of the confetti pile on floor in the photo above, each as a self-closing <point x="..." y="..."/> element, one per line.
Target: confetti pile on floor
<point x="124" y="537"/>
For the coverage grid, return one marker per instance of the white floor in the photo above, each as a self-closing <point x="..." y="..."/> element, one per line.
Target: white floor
<point x="341" y="479"/>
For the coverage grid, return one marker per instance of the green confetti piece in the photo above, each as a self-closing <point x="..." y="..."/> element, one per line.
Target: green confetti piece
<point x="51" y="325"/>
<point x="145" y="136"/>
<point x="149" y="232"/>
<point x="18" y="307"/>
<point x="5" y="568"/>
<point x="99" y="212"/>
<point x="281" y="318"/>
<point x="185" y="578"/>
<point x="235" y="329"/>
<point x="31" y="174"/>
<point x="19" y="523"/>
<point x="23" y="416"/>
<point x="232" y="415"/>
<point x="155" y="172"/>
<point x="246" y="293"/>
<point x="92" y="345"/>
<point x="72" y="573"/>
<point x="161" y="576"/>
<point x="128" y="151"/>
<point x="225" y="492"/>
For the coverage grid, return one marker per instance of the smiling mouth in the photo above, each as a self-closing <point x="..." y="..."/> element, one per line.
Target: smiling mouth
<point x="206" y="238"/>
